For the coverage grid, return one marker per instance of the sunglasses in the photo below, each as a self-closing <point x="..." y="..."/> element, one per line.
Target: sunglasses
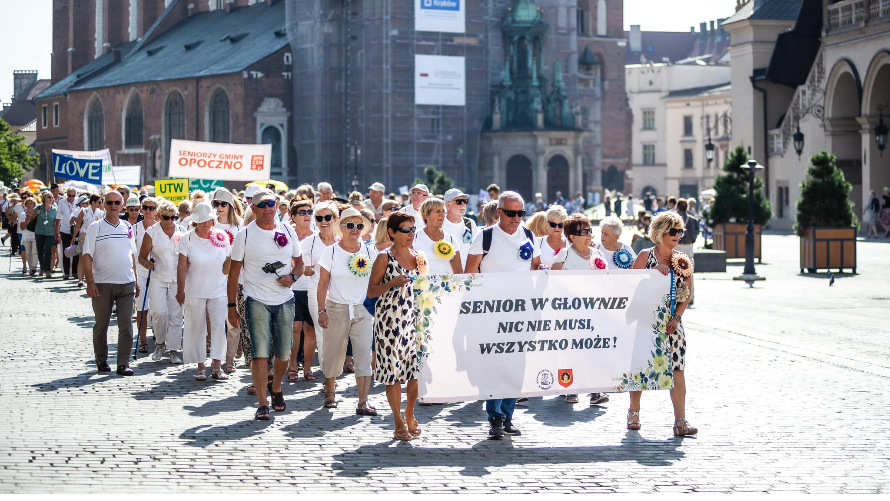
<point x="326" y="217"/>
<point x="354" y="226"/>
<point x="188" y="213"/>
<point x="512" y="213"/>
<point x="676" y="231"/>
<point x="302" y="212"/>
<point x="133" y="208"/>
<point x="583" y="233"/>
<point x="219" y="203"/>
<point x="461" y="201"/>
<point x="406" y="229"/>
<point x="114" y="202"/>
<point x="148" y="208"/>
<point x="555" y="225"/>
<point x="167" y="218"/>
<point x="267" y="203"/>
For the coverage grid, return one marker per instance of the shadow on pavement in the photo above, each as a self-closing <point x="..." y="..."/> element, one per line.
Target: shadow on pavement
<point x="320" y="422"/>
<point x="78" y="381"/>
<point x="552" y="411"/>
<point x="204" y="435"/>
<point x="500" y="453"/>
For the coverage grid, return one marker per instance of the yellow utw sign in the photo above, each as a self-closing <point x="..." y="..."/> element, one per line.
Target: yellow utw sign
<point x="174" y="190"/>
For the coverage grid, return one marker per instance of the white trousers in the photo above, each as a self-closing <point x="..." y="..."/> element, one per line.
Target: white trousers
<point x="312" y="295"/>
<point x="194" y="347"/>
<point x="166" y="314"/>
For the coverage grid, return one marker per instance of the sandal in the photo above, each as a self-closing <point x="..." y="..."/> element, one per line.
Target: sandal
<point x="571" y="399"/>
<point x="219" y="375"/>
<point x="262" y="414"/>
<point x="415" y="429"/>
<point x="330" y="401"/>
<point x="402" y="434"/>
<point x="349" y="368"/>
<point x="322" y="390"/>
<point x="230" y="368"/>
<point x="633" y="425"/>
<point x="308" y="376"/>
<point x="278" y="404"/>
<point x="143" y="348"/>
<point x="200" y="375"/>
<point x="682" y="428"/>
<point x="364" y="409"/>
<point x="251" y="390"/>
<point x="293" y="375"/>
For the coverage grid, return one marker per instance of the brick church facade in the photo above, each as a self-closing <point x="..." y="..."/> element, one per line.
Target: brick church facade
<point x="132" y="75"/>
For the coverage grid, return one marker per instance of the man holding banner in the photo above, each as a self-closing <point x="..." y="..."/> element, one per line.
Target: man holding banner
<point x="504" y="248"/>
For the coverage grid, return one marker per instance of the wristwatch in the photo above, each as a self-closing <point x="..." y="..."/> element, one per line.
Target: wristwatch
<point x="231" y="305"/>
<point x="323" y="310"/>
<point x="293" y="277"/>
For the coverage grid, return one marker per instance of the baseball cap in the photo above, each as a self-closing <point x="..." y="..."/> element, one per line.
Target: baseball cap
<point x="133" y="202"/>
<point x="224" y="195"/>
<point x="378" y="187"/>
<point x="455" y="193"/>
<point x="421" y="187"/>
<point x="263" y="195"/>
<point x="250" y="191"/>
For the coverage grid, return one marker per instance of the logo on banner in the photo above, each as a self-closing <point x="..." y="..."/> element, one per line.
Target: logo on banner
<point x="174" y="190"/>
<point x="565" y="378"/>
<point x="440" y="4"/>
<point x="545" y="379"/>
<point x="256" y="162"/>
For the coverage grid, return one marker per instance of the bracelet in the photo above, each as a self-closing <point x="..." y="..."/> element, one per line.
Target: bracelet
<point x="323" y="310"/>
<point x="678" y="318"/>
<point x="231" y="305"/>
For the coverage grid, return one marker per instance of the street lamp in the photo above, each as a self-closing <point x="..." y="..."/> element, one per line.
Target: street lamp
<point x="356" y="153"/>
<point x="709" y="149"/>
<point x="749" y="276"/>
<point x="881" y="131"/>
<point x="798" y="141"/>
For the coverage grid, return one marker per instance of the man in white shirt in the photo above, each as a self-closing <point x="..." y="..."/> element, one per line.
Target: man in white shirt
<point x="109" y="252"/>
<point x="375" y="201"/>
<point x="325" y="192"/>
<point x="419" y="194"/>
<point x="266" y="256"/>
<point x="67" y="209"/>
<point x="508" y="247"/>
<point x="461" y="228"/>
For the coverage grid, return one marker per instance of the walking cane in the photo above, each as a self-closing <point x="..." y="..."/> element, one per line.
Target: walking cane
<point x="142" y="317"/>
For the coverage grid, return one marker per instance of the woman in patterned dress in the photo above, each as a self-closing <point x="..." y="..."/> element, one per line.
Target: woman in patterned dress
<point x="666" y="231"/>
<point x="396" y="353"/>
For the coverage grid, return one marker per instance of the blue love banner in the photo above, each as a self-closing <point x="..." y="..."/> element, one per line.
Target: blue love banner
<point x="85" y="166"/>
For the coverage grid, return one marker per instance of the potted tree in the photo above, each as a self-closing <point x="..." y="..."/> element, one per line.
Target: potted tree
<point x="728" y="216"/>
<point x="826" y="223"/>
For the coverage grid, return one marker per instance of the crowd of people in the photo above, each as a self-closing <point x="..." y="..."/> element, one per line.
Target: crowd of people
<point x="277" y="277"/>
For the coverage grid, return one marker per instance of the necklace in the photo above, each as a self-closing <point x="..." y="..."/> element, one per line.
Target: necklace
<point x="582" y="255"/>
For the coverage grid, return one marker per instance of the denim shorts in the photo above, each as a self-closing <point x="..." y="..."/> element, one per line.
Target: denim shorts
<point x="271" y="328"/>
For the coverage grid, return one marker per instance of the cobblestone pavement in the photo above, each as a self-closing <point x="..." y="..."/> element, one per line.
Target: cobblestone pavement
<point x="781" y="380"/>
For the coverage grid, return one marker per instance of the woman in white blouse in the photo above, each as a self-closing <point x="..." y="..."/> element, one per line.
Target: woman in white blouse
<point x="554" y="241"/>
<point x="327" y="217"/>
<point x="610" y="230"/>
<point x="228" y="219"/>
<point x="441" y="249"/>
<point x="158" y="254"/>
<point x="304" y="326"/>
<point x="201" y="288"/>
<point x="148" y="208"/>
<point x="342" y="286"/>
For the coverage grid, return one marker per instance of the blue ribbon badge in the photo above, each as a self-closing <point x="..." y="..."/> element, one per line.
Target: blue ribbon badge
<point x="526" y="251"/>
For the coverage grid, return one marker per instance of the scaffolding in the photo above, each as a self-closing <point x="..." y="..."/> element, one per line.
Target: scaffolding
<point x="354" y="84"/>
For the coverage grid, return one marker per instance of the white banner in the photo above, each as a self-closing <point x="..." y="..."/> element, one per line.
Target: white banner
<point x="84" y="166"/>
<point x="440" y="80"/>
<point x="447" y="16"/>
<point x="219" y="161"/>
<point x="507" y="335"/>
<point x="131" y="175"/>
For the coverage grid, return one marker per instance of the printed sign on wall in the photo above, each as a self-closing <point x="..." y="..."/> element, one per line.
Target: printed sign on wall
<point x="440" y="80"/>
<point x="448" y="16"/>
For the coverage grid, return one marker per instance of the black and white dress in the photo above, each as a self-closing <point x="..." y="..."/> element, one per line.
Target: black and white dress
<point x="394" y="317"/>
<point x="678" y="338"/>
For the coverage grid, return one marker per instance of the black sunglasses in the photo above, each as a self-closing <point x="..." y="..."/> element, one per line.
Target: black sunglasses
<point x="267" y="203"/>
<point x="555" y="225"/>
<point x="114" y="202"/>
<point x="326" y="217"/>
<point x="221" y="203"/>
<point x="675" y="231"/>
<point x="354" y="226"/>
<point x="167" y="218"/>
<point x="461" y="201"/>
<point x="583" y="233"/>
<point x="148" y="208"/>
<point x="302" y="212"/>
<point x="512" y="213"/>
<point x="406" y="229"/>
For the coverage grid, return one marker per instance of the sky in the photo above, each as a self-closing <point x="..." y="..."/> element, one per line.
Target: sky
<point x="26" y="29"/>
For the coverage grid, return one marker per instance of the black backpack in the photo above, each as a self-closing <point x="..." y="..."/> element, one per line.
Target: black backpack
<point x="488" y="233"/>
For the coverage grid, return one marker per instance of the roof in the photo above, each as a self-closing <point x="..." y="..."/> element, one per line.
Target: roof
<point x="700" y="91"/>
<point x="22" y="110"/>
<point x="205" y="44"/>
<point x="796" y="49"/>
<point x="784" y="10"/>
<point x="657" y="45"/>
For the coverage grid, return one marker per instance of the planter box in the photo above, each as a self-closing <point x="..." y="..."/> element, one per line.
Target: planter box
<point x="730" y="237"/>
<point x="828" y="247"/>
<point x="710" y="261"/>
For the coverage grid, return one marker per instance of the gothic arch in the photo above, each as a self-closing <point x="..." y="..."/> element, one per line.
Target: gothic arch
<point x="133" y="121"/>
<point x="94" y="124"/>
<point x="874" y="94"/>
<point x="219" y="116"/>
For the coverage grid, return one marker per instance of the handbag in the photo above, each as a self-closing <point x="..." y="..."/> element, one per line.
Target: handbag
<point x="32" y="225"/>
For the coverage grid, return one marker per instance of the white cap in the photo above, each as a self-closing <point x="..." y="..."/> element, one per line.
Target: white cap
<point x="454" y="193"/>
<point x="378" y="187"/>
<point x="421" y="187"/>
<point x="133" y="202"/>
<point x="250" y="191"/>
<point x="224" y="195"/>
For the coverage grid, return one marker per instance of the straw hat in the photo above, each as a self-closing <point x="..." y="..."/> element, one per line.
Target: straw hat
<point x="352" y="212"/>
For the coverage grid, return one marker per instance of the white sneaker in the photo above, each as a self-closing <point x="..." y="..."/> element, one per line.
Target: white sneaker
<point x="159" y="352"/>
<point x="175" y="358"/>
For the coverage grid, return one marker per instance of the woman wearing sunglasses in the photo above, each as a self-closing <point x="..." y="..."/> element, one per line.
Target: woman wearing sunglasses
<point x="554" y="241"/>
<point x="158" y="254"/>
<point x="441" y="249"/>
<point x="396" y="354"/>
<point x="147" y="209"/>
<point x="327" y="217"/>
<point x="342" y="285"/>
<point x="228" y="220"/>
<point x="304" y="327"/>
<point x="666" y="230"/>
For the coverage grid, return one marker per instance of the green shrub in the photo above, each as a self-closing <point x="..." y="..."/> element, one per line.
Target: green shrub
<point x="824" y="196"/>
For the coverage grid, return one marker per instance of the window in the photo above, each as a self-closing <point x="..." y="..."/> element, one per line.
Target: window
<point x="648" y="154"/>
<point x="133" y="123"/>
<point x="43" y="115"/>
<point x="271" y="135"/>
<point x="55" y="114"/>
<point x="174" y="122"/>
<point x="648" y="119"/>
<point x="687" y="126"/>
<point x="219" y="117"/>
<point x="581" y="21"/>
<point x="687" y="158"/>
<point x="96" y="126"/>
<point x="776" y="143"/>
<point x="602" y="25"/>
<point x="784" y="203"/>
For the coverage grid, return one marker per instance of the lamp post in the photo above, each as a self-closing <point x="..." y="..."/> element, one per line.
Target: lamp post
<point x="798" y="141"/>
<point x="749" y="276"/>
<point x="356" y="151"/>
<point x="709" y="149"/>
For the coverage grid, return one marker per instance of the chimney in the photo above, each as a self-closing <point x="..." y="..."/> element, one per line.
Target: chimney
<point x="636" y="38"/>
<point x="692" y="30"/>
<point x="702" y="30"/>
<point x="22" y="79"/>
<point x="115" y="55"/>
<point x="230" y="4"/>
<point x="713" y="29"/>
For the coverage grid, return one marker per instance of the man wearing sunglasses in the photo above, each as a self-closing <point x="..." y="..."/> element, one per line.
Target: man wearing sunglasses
<point x="266" y="255"/>
<point x="508" y="247"/>
<point x="461" y="228"/>
<point x="109" y="262"/>
<point x="419" y="194"/>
